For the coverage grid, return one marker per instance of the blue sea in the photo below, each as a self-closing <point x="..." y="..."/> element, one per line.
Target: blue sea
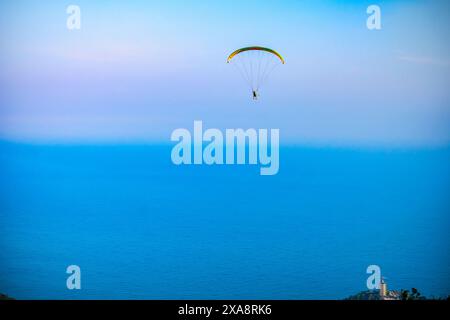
<point x="140" y="227"/>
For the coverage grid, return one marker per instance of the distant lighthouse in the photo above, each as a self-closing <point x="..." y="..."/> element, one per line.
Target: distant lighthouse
<point x="383" y="288"/>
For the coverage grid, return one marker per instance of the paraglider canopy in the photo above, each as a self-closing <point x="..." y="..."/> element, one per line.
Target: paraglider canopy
<point x="255" y="48"/>
<point x="255" y="64"/>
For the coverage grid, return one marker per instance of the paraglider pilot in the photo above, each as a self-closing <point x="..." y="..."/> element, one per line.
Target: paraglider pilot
<point x="255" y="95"/>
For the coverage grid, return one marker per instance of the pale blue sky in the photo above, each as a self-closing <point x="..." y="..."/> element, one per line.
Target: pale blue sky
<point x="138" y="70"/>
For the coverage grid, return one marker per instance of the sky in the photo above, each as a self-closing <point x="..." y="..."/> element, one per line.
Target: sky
<point x="137" y="70"/>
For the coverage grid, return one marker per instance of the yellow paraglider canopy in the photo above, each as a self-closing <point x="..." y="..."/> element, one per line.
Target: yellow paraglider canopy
<point x="255" y="48"/>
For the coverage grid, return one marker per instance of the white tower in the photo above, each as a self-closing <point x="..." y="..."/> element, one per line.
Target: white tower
<point x="383" y="288"/>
